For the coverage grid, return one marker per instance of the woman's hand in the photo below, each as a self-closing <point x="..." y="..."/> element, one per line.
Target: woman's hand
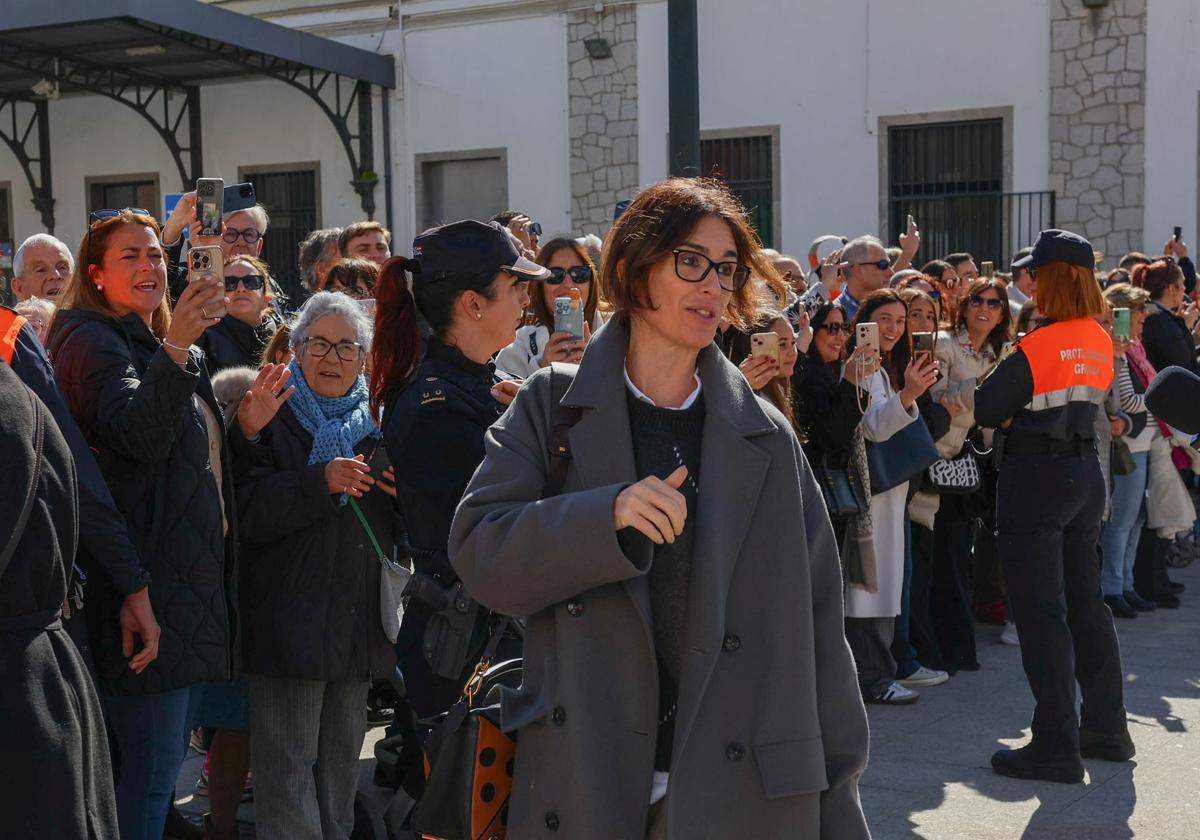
<point x="952" y="406"/>
<point x="653" y="506"/>
<point x="1191" y="315"/>
<point x="1120" y="345"/>
<point x="181" y="215"/>
<point x="137" y="619"/>
<point x="759" y="370"/>
<point x="1116" y="426"/>
<point x="919" y="376"/>
<point x="348" y="475"/>
<point x="861" y="366"/>
<point x="804" y="331"/>
<point x="564" y="347"/>
<point x="269" y="391"/>
<point x="387" y="482"/>
<point x="505" y="391"/>
<point x="191" y="317"/>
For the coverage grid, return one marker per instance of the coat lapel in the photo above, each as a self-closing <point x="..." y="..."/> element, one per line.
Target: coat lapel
<point x="732" y="472"/>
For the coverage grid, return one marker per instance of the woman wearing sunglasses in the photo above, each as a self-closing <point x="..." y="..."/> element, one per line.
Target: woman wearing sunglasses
<point x="536" y="344"/>
<point x="966" y="353"/>
<point x="238" y="339"/>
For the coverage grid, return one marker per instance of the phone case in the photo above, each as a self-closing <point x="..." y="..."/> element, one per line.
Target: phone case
<point x="207" y="261"/>
<point x="765" y="344"/>
<point x="210" y="202"/>
<point x="568" y="317"/>
<point x="868" y="335"/>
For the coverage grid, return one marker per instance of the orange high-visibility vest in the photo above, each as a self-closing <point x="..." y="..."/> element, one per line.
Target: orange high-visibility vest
<point x="1072" y="361"/>
<point x="10" y="327"/>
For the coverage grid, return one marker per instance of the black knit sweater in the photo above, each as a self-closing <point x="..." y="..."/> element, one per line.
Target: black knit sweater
<point x="664" y="440"/>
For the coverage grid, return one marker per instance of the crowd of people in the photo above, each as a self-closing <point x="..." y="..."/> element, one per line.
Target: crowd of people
<point x="683" y="504"/>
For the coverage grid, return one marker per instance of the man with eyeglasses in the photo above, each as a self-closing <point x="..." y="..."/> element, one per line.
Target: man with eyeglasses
<point x="864" y="268"/>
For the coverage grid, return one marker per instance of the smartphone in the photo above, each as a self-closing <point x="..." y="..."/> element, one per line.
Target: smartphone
<point x="208" y="261"/>
<point x="922" y="345"/>
<point x="210" y="204"/>
<point x="1178" y="232"/>
<point x="568" y="316"/>
<point x="911" y="223"/>
<point x="867" y="335"/>
<point x="987" y="270"/>
<point x="1120" y="318"/>
<point x="239" y="197"/>
<point x="765" y="344"/>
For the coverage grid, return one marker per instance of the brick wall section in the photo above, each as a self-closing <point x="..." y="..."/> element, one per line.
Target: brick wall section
<point x="603" y="116"/>
<point x="1097" y="121"/>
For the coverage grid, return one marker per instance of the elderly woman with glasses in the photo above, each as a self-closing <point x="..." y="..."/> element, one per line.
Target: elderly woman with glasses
<point x="537" y="344"/>
<point x="237" y="340"/>
<point x="307" y="459"/>
<point x="685" y="663"/>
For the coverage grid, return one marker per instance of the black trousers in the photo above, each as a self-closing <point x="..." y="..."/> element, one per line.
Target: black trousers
<point x="950" y="586"/>
<point x="1048" y="513"/>
<point x="920" y="623"/>
<point x="1150" y="566"/>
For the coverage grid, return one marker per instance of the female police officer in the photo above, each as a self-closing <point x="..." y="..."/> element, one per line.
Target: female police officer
<point x="1048" y="508"/>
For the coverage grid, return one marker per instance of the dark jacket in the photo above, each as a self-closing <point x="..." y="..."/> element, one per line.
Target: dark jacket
<point x="310" y="577"/>
<point x="828" y="409"/>
<point x="1167" y="339"/>
<point x="434" y="432"/>
<point x="53" y="751"/>
<point x="234" y="343"/>
<point x="771" y="735"/>
<point x="135" y="408"/>
<point x="106" y="549"/>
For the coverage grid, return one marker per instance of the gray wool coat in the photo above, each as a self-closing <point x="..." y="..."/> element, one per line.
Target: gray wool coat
<point x="771" y="735"/>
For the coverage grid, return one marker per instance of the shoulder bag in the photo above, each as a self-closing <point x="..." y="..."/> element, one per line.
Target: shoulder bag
<point x="393" y="580"/>
<point x="842" y="488"/>
<point x="900" y="458"/>
<point x="954" y="476"/>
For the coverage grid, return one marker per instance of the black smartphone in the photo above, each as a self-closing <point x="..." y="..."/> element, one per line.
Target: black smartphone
<point x="239" y="197"/>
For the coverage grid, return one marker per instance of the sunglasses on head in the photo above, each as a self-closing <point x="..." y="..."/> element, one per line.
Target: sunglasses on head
<point x="97" y="216"/>
<point x="252" y="282"/>
<point x="579" y="273"/>
<point x="990" y="303"/>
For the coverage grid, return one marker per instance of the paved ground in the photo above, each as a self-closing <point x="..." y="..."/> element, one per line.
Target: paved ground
<point x="930" y="778"/>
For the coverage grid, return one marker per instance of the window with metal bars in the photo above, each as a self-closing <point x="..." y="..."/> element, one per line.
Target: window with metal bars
<point x="291" y="200"/>
<point x="746" y="164"/>
<point x="950" y="178"/>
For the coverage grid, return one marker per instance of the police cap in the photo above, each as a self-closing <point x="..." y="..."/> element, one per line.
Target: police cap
<point x="1058" y="246"/>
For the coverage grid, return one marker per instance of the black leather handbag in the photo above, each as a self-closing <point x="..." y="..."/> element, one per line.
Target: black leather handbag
<point x="900" y="458"/>
<point x="842" y="488"/>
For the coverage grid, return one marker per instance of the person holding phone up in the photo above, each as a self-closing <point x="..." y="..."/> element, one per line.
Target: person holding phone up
<point x="539" y="344"/>
<point x="684" y="660"/>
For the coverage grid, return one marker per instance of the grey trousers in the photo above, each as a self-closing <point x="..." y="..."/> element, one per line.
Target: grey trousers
<point x="871" y="643"/>
<point x="305" y="739"/>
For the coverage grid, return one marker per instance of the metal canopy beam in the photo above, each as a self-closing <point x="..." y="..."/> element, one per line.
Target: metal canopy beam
<point x="346" y="102"/>
<point x="164" y="106"/>
<point x="20" y="120"/>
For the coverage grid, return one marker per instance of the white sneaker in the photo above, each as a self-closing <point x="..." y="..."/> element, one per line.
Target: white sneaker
<point x="894" y="695"/>
<point x="923" y="677"/>
<point x="1009" y="635"/>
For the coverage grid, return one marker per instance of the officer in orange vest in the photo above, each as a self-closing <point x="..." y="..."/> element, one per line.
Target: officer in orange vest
<point x="1049" y="503"/>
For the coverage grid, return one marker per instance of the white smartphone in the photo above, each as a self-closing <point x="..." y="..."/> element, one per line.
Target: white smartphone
<point x="765" y="344"/>
<point x="210" y="204"/>
<point x="867" y="335"/>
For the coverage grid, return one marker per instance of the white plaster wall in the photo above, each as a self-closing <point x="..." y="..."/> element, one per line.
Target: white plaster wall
<point x="826" y="72"/>
<point x="500" y="84"/>
<point x="1172" y="99"/>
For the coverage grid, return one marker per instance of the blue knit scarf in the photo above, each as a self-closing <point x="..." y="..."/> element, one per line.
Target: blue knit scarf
<point x="337" y="424"/>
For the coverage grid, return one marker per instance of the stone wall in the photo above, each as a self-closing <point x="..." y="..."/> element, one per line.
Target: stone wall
<point x="603" y="115"/>
<point x="1097" y="121"/>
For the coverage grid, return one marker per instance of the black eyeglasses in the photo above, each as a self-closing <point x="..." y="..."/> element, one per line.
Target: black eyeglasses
<point x="581" y="274"/>
<point x="882" y="265"/>
<point x="691" y="266"/>
<point x="347" y="351"/>
<point x="252" y="282"/>
<point x="249" y="235"/>
<point x="835" y="328"/>
<point x="990" y="303"/>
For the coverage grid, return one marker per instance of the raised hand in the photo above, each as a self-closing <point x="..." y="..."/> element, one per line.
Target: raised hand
<point x="269" y="391"/>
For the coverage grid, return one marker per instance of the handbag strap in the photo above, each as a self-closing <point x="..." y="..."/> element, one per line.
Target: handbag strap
<point x="367" y="527"/>
<point x="39" y="433"/>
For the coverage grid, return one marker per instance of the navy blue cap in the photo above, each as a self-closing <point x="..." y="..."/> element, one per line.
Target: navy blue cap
<point x="462" y="250"/>
<point x="1059" y="246"/>
<point x="621" y="207"/>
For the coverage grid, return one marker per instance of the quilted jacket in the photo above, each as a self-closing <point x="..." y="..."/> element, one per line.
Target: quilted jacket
<point x="135" y="407"/>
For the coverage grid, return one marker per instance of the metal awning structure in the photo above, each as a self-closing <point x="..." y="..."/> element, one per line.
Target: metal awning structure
<point x="153" y="56"/>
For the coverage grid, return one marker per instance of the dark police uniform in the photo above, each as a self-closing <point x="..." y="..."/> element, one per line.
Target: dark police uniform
<point x="1050" y="500"/>
<point x="434" y="434"/>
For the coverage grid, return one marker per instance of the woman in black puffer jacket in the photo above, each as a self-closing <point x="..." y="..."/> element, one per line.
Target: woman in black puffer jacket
<point x="1169" y="338"/>
<point x="141" y="397"/>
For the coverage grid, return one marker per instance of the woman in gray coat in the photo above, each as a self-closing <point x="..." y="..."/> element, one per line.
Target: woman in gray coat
<point x="686" y="673"/>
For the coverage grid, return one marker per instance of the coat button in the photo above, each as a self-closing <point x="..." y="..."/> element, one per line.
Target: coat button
<point x="735" y="752"/>
<point x="574" y="607"/>
<point x="732" y="643"/>
<point x="552" y="821"/>
<point x="559" y="716"/>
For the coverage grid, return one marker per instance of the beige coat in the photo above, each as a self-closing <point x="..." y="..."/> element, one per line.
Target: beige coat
<point x="771" y="733"/>
<point x="960" y="370"/>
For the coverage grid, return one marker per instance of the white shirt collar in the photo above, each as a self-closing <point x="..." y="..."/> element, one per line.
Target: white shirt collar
<point x="688" y="403"/>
